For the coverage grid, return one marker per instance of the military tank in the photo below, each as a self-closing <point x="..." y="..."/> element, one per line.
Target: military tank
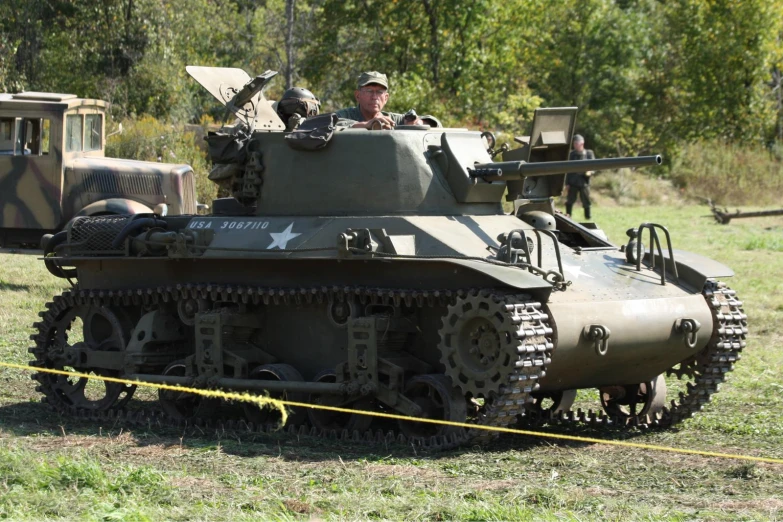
<point x="379" y="271"/>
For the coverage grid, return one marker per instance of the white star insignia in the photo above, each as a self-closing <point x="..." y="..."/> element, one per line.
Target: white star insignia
<point x="281" y="239"/>
<point x="575" y="271"/>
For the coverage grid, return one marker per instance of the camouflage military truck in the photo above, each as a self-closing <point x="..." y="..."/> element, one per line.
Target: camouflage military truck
<point x="52" y="168"/>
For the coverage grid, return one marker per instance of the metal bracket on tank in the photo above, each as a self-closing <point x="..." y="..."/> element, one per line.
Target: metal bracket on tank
<point x="362" y="355"/>
<point x="354" y="241"/>
<point x="599" y="335"/>
<point x="516" y="247"/>
<point x="636" y="241"/>
<point x="211" y="356"/>
<point x="689" y="327"/>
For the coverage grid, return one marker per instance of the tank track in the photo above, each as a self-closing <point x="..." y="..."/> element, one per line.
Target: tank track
<point x="534" y="347"/>
<point x="705" y="371"/>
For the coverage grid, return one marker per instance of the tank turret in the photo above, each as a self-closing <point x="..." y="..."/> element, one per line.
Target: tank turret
<point x="378" y="270"/>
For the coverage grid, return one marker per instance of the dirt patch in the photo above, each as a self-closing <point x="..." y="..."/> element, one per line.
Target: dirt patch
<point x="602" y="492"/>
<point x="496" y="485"/>
<point x="206" y="487"/>
<point x="762" y="504"/>
<point x="401" y="471"/>
<point x="297" y="506"/>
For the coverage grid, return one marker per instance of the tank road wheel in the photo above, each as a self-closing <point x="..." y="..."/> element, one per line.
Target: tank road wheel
<point x="325" y="420"/>
<point x="438" y="399"/>
<point x="275" y="372"/>
<point x="479" y="345"/>
<point x="67" y="340"/>
<point x="182" y="405"/>
<point x="622" y="402"/>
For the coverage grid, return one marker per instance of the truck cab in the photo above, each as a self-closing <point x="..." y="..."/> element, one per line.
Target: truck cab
<point x="53" y="168"/>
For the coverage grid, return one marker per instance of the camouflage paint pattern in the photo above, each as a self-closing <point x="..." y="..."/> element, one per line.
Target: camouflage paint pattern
<point x="43" y="184"/>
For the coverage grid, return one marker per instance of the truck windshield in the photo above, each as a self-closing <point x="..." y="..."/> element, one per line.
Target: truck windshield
<point x="73" y="133"/>
<point x="93" y="126"/>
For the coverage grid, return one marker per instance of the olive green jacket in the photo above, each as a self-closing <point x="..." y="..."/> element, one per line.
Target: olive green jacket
<point x="355" y="114"/>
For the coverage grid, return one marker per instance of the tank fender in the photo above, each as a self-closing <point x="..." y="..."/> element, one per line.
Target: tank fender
<point x="114" y="206"/>
<point x="694" y="269"/>
<point x="508" y="276"/>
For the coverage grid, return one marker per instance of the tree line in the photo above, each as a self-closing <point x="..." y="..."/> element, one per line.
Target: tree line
<point x="648" y="75"/>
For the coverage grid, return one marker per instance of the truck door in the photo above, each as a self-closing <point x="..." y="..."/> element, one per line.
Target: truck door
<point x="30" y="182"/>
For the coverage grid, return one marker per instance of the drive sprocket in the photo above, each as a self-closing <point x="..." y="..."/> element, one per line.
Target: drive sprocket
<point x="479" y="344"/>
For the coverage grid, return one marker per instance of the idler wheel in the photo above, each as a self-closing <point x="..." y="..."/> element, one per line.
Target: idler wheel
<point x="635" y="401"/>
<point x="479" y="345"/>
<point x="325" y="420"/>
<point x="438" y="399"/>
<point x="275" y="372"/>
<point x="77" y="330"/>
<point x="183" y="405"/>
<point x="546" y="403"/>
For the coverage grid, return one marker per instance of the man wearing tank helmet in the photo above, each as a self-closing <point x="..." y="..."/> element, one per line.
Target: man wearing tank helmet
<point x="372" y="93"/>
<point x="296" y="105"/>
<point x="578" y="183"/>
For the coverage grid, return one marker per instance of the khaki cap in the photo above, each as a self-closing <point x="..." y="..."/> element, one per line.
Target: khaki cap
<point x="369" y="77"/>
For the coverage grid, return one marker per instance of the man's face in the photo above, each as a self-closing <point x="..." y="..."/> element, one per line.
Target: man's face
<point x="579" y="146"/>
<point x="372" y="97"/>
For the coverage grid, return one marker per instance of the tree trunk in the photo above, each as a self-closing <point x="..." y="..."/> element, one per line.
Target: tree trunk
<point x="289" y="43"/>
<point x="432" y="15"/>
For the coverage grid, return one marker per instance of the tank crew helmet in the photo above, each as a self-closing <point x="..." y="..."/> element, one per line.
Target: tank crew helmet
<point x="297" y="100"/>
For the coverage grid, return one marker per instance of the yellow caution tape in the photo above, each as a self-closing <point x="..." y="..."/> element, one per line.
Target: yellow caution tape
<point x="279" y="405"/>
<point x="260" y="400"/>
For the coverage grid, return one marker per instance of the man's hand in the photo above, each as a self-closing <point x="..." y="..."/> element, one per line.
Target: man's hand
<point x="379" y="122"/>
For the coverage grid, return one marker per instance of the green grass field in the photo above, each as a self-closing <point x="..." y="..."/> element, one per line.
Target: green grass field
<point x="54" y="468"/>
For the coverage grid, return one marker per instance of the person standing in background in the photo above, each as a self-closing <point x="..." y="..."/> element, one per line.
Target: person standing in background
<point x="578" y="183"/>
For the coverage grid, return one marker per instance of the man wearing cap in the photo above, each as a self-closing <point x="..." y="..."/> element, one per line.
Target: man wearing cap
<point x="372" y="93"/>
<point x="578" y="182"/>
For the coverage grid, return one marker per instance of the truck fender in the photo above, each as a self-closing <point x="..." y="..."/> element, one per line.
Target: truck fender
<point x="114" y="206"/>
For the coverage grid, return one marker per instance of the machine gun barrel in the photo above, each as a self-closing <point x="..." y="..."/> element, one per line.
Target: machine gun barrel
<point x="516" y="170"/>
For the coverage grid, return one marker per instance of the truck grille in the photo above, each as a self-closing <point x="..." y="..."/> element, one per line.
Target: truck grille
<point x="121" y="183"/>
<point x="188" y="193"/>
